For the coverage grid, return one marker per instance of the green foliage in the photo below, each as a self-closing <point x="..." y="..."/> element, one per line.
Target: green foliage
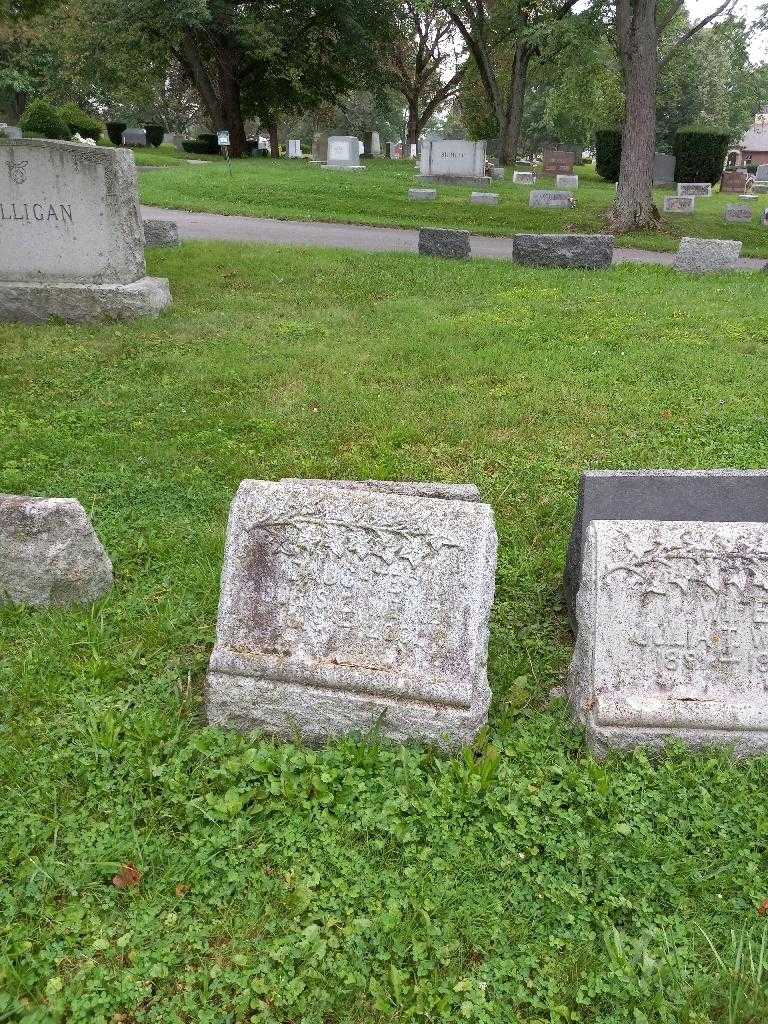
<point x="700" y="154"/>
<point x="206" y="143"/>
<point x="608" y="153"/>
<point x="518" y="882"/>
<point x="155" y="134"/>
<point x="115" y="131"/>
<point x="81" y="123"/>
<point x="44" y="120"/>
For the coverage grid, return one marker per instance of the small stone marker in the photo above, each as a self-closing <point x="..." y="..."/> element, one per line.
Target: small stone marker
<point x="541" y="198"/>
<point x="581" y="252"/>
<point x="567" y="181"/>
<point x="453" y="161"/>
<point x="422" y="195"/>
<point x="715" y="495"/>
<point x="735" y="214"/>
<point x="445" y="243"/>
<point x="134" y="137"/>
<point x="351" y="607"/>
<point x="523" y="178"/>
<point x="707" y="255"/>
<point x="484" y="198"/>
<point x="49" y="553"/>
<point x="557" y="161"/>
<point x="672" y="639"/>
<point x="663" y="169"/>
<point x="747" y="197"/>
<point x="71" y="237"/>
<point x="733" y="181"/>
<point x="160" y="234"/>
<point x="498" y="173"/>
<point x="343" y="153"/>
<point x="697" y="189"/>
<point x="679" y="204"/>
<point x="294" y="149"/>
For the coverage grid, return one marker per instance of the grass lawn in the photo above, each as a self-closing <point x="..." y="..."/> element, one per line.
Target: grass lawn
<point x="294" y="190"/>
<point x="519" y="882"/>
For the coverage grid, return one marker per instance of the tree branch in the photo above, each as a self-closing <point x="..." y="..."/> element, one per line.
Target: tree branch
<point x="725" y="8"/>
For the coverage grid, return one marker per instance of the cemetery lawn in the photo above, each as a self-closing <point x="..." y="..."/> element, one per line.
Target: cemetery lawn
<point x="295" y="190"/>
<point x="520" y="881"/>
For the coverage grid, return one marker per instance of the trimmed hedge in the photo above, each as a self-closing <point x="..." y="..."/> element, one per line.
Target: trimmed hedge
<point x="81" y="123"/>
<point x="155" y="133"/>
<point x="208" y="144"/>
<point x="700" y="154"/>
<point x="44" y="120"/>
<point x="608" y="153"/>
<point x="115" y="131"/>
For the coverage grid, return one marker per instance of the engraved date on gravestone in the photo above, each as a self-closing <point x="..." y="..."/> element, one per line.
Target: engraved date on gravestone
<point x="28" y="213"/>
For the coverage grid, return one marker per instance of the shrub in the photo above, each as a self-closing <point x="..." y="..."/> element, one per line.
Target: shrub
<point x="608" y="153"/>
<point x="208" y="144"/>
<point x="155" y="133"/>
<point x="700" y="154"/>
<point x="115" y="131"/>
<point x="44" y="120"/>
<point x="81" y="123"/>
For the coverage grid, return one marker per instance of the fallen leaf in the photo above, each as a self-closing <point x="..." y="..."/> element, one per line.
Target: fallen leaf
<point x="127" y="877"/>
<point x="182" y="890"/>
<point x="762" y="910"/>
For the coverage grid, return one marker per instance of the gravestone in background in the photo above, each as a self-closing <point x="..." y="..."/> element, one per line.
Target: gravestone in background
<point x="294" y="149"/>
<point x="698" y="189"/>
<point x="350" y="608"/>
<point x="523" y="178"/>
<point x="173" y="139"/>
<point x="393" y="150"/>
<point x="556" y="161"/>
<point x="736" y="214"/>
<point x="733" y="181"/>
<point x="707" y="255"/>
<point x="484" y="198"/>
<point x="160" y="234"/>
<point x="672" y="635"/>
<point x="762" y="173"/>
<point x="663" y="170"/>
<point x="453" y="161"/>
<point x="545" y="199"/>
<point x="716" y="495"/>
<point x="11" y="131"/>
<point x="422" y="195"/>
<point x="49" y="553"/>
<point x="567" y="181"/>
<point x="134" y="137"/>
<point x="71" y="237"/>
<point x="343" y="153"/>
<point x="679" y="204"/>
<point x="371" y="145"/>
<point x="445" y="243"/>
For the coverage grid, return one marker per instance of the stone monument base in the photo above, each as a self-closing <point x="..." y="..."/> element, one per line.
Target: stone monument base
<point x="36" y="302"/>
<point x="453" y="179"/>
<point x="343" y="167"/>
<point x="287" y="711"/>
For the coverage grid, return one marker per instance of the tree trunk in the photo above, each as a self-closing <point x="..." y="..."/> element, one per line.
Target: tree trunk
<point x="413" y="129"/>
<point x="513" y="115"/>
<point x="638" y="50"/>
<point x="274" y="136"/>
<point x="231" y="110"/>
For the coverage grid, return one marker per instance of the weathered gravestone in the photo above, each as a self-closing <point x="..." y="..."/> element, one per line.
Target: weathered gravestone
<point x="371" y="144"/>
<point x="454" y="161"/>
<point x="445" y="242"/>
<point x="484" y="198"/>
<point x="555" y="161"/>
<point x="672" y="638"/>
<point x="762" y="173"/>
<point x="354" y="607"/>
<point x="567" y="181"/>
<point x="735" y="214"/>
<point x="498" y="173"/>
<point x="10" y="131"/>
<point x="173" y="139"/>
<point x="134" y="137"/>
<point x="422" y="195"/>
<point x="49" y="553"/>
<point x="294" y="149"/>
<point x="720" y="495"/>
<point x="663" y="170"/>
<point x="679" y="204"/>
<point x="542" y="198"/>
<point x="71" y="237"/>
<point x="733" y="181"/>
<point x="320" y="148"/>
<point x="760" y="186"/>
<point x="523" y="178"/>
<point x="343" y="153"/>
<point x="393" y="150"/>
<point x="582" y="252"/>
<point x="697" y="189"/>
<point x="160" y="234"/>
<point x="707" y="255"/>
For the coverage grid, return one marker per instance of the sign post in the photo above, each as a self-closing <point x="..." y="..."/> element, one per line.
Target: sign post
<point x="223" y="138"/>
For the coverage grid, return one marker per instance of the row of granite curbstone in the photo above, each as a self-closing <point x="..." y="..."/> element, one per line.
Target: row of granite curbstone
<point x="352" y="606"/>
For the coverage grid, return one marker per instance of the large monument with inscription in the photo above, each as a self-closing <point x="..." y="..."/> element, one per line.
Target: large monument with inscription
<point x="453" y="162"/>
<point x="349" y="607"/>
<point x="71" y="237"/>
<point x="672" y="635"/>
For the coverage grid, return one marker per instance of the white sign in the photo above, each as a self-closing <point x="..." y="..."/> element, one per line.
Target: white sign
<point x="223" y="138"/>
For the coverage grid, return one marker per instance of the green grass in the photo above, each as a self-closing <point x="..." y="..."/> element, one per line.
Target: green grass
<point x="295" y="190"/>
<point x="519" y="882"/>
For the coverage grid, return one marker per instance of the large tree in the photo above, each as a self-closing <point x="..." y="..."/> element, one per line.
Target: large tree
<point x="640" y="27"/>
<point x="503" y="37"/>
<point x="426" y="62"/>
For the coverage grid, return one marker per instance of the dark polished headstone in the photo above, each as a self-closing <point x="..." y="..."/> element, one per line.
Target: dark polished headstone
<point x="698" y="495"/>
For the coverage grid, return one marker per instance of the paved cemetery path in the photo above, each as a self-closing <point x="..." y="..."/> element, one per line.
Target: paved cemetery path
<point x="218" y="227"/>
